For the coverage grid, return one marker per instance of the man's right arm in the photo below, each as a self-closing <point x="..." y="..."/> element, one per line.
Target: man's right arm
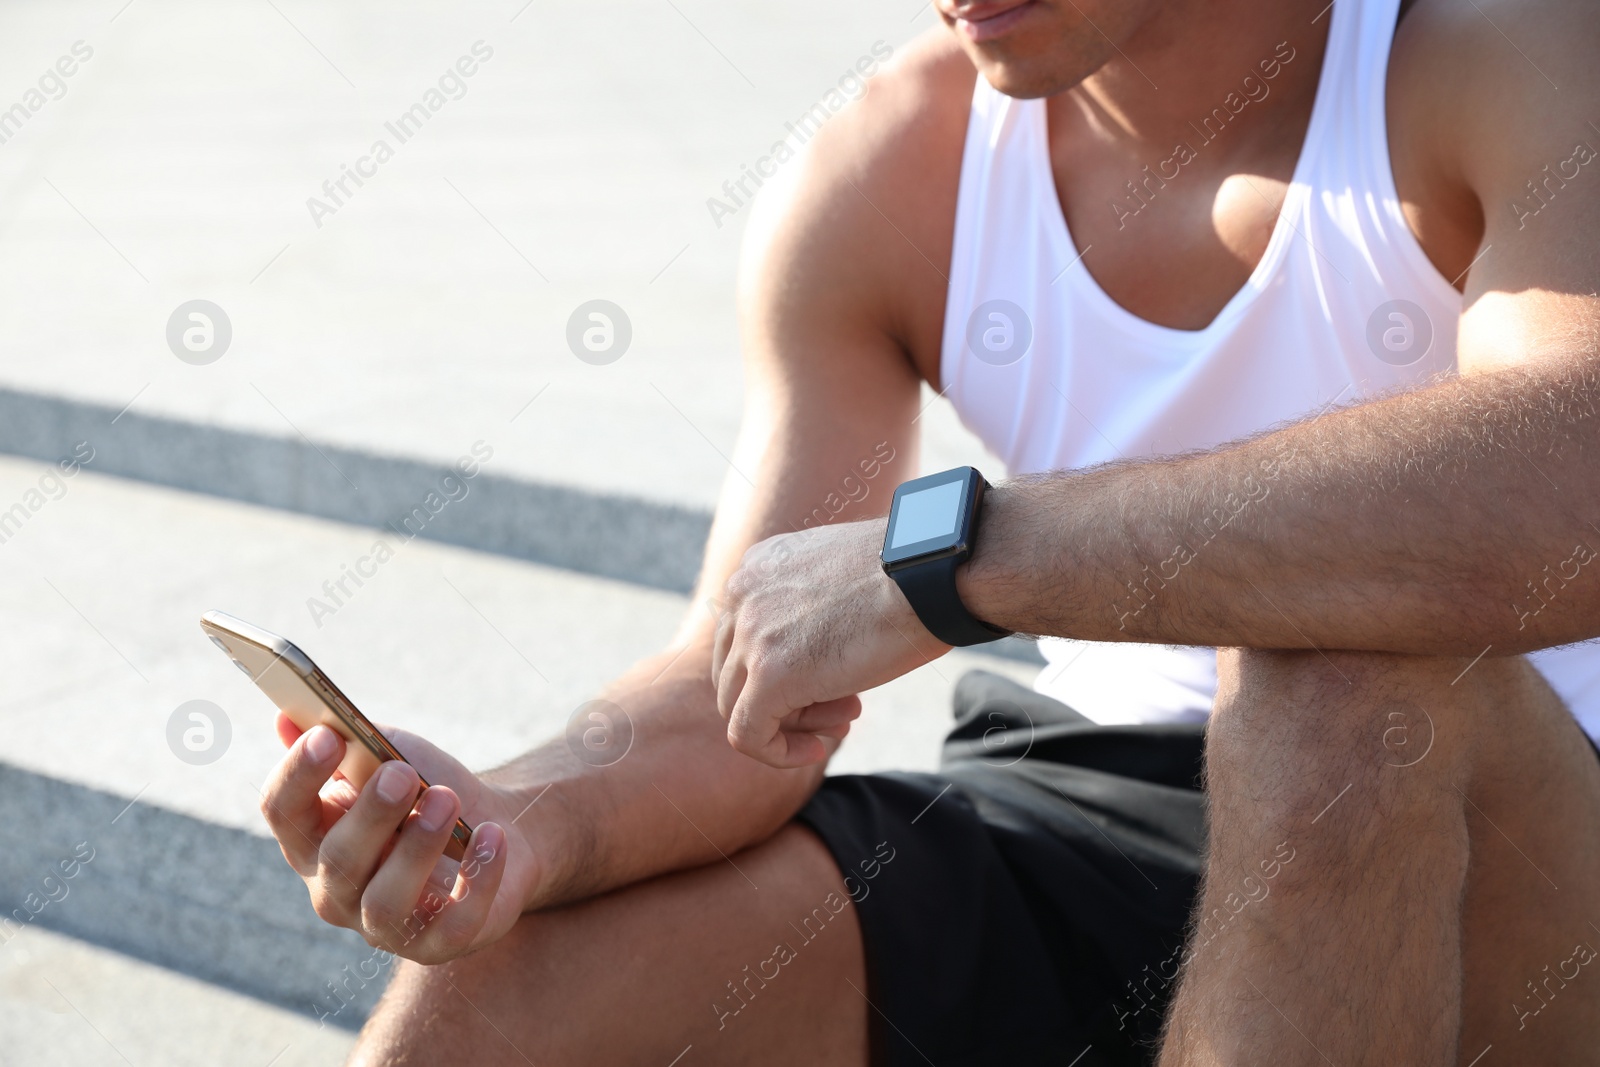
<point x="828" y="432"/>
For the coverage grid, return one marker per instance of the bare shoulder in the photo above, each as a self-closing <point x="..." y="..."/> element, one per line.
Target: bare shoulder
<point x="1483" y="94"/>
<point x="859" y="226"/>
<point x="1525" y="63"/>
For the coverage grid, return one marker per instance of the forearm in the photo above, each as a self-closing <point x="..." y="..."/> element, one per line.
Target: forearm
<point x="680" y="797"/>
<point x="1440" y="521"/>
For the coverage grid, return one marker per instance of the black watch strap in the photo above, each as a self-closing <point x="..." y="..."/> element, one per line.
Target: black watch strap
<point x="930" y="588"/>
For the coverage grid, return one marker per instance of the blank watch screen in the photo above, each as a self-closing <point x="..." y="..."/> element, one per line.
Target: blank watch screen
<point x="926" y="514"/>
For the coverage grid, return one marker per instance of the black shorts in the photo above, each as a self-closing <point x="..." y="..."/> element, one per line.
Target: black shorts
<point x="1027" y="904"/>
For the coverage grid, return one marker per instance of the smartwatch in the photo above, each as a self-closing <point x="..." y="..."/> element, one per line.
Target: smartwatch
<point x="931" y="526"/>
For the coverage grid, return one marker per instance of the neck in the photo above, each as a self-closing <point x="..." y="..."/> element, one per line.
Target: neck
<point x="1155" y="90"/>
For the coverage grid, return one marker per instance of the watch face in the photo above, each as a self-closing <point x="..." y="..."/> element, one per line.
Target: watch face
<point x="929" y="515"/>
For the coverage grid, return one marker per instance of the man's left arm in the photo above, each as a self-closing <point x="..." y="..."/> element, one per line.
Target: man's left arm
<point x="1441" y="521"/>
<point x="1452" y="519"/>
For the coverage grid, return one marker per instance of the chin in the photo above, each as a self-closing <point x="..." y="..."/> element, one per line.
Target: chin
<point x="1049" y="50"/>
<point x="1028" y="80"/>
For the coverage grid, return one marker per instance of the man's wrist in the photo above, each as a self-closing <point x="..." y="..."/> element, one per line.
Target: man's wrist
<point x="983" y="582"/>
<point x="531" y="802"/>
<point x="578" y="825"/>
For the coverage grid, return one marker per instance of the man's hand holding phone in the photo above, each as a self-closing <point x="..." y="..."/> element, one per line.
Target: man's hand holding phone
<point x="374" y="859"/>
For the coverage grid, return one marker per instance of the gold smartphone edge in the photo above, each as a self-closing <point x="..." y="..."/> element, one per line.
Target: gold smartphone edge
<point x="342" y="706"/>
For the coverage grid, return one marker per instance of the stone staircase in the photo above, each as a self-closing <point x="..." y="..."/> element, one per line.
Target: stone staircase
<point x="368" y="351"/>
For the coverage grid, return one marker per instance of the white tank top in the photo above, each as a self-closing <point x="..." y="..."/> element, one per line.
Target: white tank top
<point x="1051" y="373"/>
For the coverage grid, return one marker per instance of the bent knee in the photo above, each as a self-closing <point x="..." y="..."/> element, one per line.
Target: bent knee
<point x="419" y="1020"/>
<point x="1334" y="677"/>
<point x="1327" y="697"/>
<point x="1307" y="721"/>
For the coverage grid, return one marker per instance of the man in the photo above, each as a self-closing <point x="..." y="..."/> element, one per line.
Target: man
<point x="1208" y="218"/>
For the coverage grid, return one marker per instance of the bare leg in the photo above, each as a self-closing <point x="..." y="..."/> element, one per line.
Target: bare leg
<point x="639" y="975"/>
<point x="1386" y="847"/>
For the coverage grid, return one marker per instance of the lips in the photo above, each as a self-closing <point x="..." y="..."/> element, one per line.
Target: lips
<point x="985" y="21"/>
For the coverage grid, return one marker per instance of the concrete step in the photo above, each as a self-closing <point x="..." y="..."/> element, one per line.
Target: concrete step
<point x="211" y="902"/>
<point x="66" y="1001"/>
<point x="100" y="590"/>
<point x="635" y="539"/>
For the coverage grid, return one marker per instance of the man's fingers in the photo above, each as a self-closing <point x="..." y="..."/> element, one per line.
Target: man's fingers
<point x="456" y="929"/>
<point x="801" y="732"/>
<point x="731" y="685"/>
<point x="340" y="793"/>
<point x="753" y="729"/>
<point x="288" y="731"/>
<point x="801" y="749"/>
<point x="440" y="923"/>
<point x="292" y="801"/>
<point x="721" y="644"/>
<point x="354" y="845"/>
<point x="726" y="667"/>
<point x="824" y="715"/>
<point x="392" y="894"/>
<point x="728" y="614"/>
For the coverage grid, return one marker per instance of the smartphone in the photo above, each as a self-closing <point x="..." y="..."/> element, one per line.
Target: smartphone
<point x="301" y="691"/>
